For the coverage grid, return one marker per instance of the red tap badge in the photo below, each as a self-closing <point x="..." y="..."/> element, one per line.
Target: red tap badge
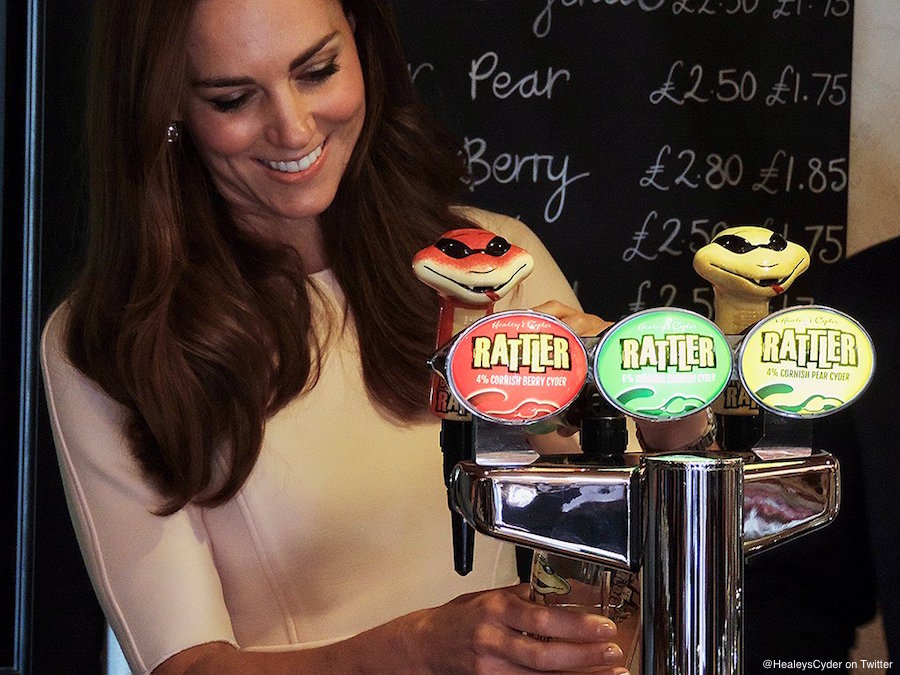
<point x="517" y="367"/>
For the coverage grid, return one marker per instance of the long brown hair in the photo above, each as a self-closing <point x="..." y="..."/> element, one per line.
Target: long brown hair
<point x="203" y="331"/>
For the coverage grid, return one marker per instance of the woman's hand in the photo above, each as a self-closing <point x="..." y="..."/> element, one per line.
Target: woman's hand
<point x="486" y="632"/>
<point x="585" y="325"/>
<point x="493" y="632"/>
<point x="673" y="434"/>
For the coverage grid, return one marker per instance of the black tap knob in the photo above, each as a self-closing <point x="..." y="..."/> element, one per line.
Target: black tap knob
<point x="604" y="432"/>
<point x="456" y="444"/>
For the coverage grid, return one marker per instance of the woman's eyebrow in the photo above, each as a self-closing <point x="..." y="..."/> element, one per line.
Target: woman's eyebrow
<point x="219" y="82"/>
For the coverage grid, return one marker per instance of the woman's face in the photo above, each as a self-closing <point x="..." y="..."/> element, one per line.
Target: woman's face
<point x="275" y="103"/>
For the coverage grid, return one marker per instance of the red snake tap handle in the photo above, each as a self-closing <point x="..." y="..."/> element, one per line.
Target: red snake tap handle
<point x="470" y="269"/>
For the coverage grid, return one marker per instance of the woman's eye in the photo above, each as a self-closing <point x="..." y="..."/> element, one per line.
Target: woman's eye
<point x="230" y="104"/>
<point x="322" y="73"/>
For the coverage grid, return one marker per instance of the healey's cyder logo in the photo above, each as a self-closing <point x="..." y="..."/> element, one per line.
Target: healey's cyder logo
<point x="680" y="352"/>
<point x="535" y="352"/>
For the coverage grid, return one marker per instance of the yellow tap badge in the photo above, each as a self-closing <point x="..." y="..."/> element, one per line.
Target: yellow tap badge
<point x="806" y="362"/>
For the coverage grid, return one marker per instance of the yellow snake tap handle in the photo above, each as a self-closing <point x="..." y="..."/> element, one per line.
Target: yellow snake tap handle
<point x="747" y="267"/>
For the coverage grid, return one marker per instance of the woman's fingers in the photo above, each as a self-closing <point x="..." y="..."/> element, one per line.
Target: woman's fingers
<point x="542" y="654"/>
<point x="503" y="632"/>
<point x="562" y="623"/>
<point x="548" y="638"/>
<point x="586" y="325"/>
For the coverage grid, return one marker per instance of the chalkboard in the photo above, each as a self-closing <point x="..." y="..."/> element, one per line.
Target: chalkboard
<point x="626" y="133"/>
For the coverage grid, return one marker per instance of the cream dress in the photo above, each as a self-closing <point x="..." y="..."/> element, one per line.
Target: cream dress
<point x="342" y="525"/>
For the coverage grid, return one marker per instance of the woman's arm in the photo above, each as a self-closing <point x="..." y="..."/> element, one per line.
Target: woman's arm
<point x="154" y="576"/>
<point x="488" y="632"/>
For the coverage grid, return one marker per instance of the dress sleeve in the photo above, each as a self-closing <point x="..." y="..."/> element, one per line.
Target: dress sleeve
<point x="154" y="576"/>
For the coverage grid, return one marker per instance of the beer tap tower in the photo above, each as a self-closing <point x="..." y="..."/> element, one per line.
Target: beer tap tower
<point x="685" y="521"/>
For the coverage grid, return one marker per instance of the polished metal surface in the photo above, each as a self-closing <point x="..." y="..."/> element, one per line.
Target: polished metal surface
<point x="693" y="565"/>
<point x="687" y="521"/>
<point x="787" y="497"/>
<point x="588" y="512"/>
<point x="499" y="445"/>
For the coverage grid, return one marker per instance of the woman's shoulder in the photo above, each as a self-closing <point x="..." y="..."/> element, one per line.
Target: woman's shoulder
<point x="53" y="336"/>
<point x="489" y="220"/>
<point x="507" y="227"/>
<point x="547" y="282"/>
<point x="61" y="376"/>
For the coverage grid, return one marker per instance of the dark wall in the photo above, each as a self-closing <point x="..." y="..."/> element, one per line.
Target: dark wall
<point x="627" y="132"/>
<point x="61" y="629"/>
<point x="8" y="399"/>
<point x="63" y="597"/>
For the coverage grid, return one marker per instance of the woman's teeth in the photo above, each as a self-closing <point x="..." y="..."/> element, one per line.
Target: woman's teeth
<point x="301" y="164"/>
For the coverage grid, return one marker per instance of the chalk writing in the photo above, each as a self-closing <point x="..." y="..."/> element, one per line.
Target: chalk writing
<point x="416" y="71"/>
<point x="503" y="85"/>
<point x="673" y="236"/>
<point x="544" y="20"/>
<point x="696" y="83"/>
<point x="629" y="133"/>
<point x="543" y="23"/>
<point x="689" y="169"/>
<point x="513" y="168"/>
<point x="785" y="173"/>
<point x="715" y="170"/>
<point x="796" y="8"/>
<point x="817" y="88"/>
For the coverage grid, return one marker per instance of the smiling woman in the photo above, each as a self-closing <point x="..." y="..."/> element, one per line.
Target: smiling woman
<point x="275" y="107"/>
<point x="247" y="282"/>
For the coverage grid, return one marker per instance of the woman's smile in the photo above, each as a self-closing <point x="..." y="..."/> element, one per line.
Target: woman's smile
<point x="296" y="166"/>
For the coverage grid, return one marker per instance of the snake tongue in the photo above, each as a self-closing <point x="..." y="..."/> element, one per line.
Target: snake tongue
<point x="492" y="295"/>
<point x="778" y="289"/>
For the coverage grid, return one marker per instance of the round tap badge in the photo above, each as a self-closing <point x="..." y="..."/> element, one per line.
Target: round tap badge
<point x="661" y="364"/>
<point x="806" y="362"/>
<point x="516" y="367"/>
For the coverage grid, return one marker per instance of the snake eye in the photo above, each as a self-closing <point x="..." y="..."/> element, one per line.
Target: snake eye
<point x="777" y="242"/>
<point x="453" y="248"/>
<point x="734" y="243"/>
<point x="497" y="247"/>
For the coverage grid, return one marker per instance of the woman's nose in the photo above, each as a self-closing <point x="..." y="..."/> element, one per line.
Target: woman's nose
<point x="291" y="123"/>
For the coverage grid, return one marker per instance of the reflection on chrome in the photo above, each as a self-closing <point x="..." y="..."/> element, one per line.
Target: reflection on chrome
<point x="685" y="521"/>
<point x="789" y="497"/>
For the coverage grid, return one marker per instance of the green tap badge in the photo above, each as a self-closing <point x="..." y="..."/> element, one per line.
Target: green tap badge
<point x="662" y="364"/>
<point x="806" y="362"/>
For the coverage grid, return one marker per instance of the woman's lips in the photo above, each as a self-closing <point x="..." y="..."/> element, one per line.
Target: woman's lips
<point x="296" y="166"/>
